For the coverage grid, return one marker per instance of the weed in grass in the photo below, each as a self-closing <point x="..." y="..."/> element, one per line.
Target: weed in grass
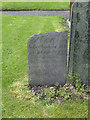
<point x="75" y="80"/>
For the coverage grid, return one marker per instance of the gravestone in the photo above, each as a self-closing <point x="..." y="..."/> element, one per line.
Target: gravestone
<point x="79" y="40"/>
<point x="47" y="56"/>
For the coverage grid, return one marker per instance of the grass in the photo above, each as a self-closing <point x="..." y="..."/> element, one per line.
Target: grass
<point x="20" y="103"/>
<point x="35" y="5"/>
<point x="17" y="100"/>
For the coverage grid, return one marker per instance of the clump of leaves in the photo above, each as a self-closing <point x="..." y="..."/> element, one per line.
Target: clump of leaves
<point x="47" y="94"/>
<point x="50" y="92"/>
<point x="74" y="79"/>
<point x="59" y="93"/>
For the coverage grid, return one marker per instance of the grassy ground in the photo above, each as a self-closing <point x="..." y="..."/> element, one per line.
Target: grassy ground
<point x="17" y="100"/>
<point x="35" y="5"/>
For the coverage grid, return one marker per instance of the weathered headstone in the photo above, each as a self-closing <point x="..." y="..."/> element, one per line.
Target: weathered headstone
<point x="47" y="56"/>
<point x="79" y="40"/>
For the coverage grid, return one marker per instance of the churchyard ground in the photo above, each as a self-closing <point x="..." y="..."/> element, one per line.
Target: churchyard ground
<point x="17" y="100"/>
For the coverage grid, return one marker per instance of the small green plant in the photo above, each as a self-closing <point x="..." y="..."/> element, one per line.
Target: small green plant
<point x="41" y="96"/>
<point x="78" y="84"/>
<point x="63" y="92"/>
<point x="75" y="80"/>
<point x="50" y="92"/>
<point x="72" y="78"/>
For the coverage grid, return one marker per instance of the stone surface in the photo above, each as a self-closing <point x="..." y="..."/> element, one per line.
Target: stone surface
<point x="47" y="56"/>
<point x="79" y="40"/>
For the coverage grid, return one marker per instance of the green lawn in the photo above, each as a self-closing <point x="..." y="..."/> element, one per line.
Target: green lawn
<point x="17" y="100"/>
<point x="35" y="5"/>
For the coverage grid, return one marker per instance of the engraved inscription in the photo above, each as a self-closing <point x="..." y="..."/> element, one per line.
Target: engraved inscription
<point x="78" y="17"/>
<point x="76" y="34"/>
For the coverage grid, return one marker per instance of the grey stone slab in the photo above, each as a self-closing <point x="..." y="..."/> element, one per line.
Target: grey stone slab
<point x="47" y="56"/>
<point x="79" y="40"/>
